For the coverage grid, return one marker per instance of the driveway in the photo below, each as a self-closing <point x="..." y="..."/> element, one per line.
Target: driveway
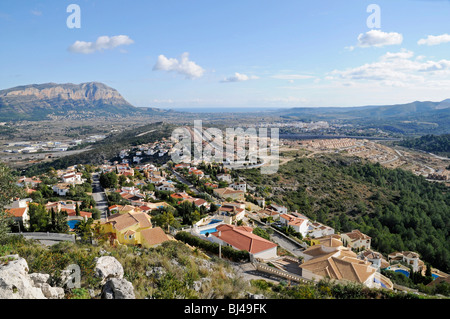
<point x="99" y="196"/>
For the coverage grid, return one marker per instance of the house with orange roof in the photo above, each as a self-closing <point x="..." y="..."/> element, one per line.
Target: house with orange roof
<point x="330" y="259"/>
<point x="300" y="225"/>
<point x="182" y="195"/>
<point x="20" y="214"/>
<point x="133" y="229"/>
<point x="27" y="181"/>
<point x="230" y="213"/>
<point x="242" y="238"/>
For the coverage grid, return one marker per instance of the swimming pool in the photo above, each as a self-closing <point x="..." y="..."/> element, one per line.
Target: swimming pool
<point x="214" y="221"/>
<point x="72" y="223"/>
<point x="402" y="271"/>
<point x="209" y="230"/>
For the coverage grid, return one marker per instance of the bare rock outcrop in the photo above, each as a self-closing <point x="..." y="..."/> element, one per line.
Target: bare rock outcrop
<point x="108" y="267"/>
<point x="16" y="283"/>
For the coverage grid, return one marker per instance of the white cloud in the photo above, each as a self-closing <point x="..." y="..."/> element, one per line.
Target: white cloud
<point x="102" y="43"/>
<point x="378" y="38"/>
<point x="238" y="77"/>
<point x="435" y="40"/>
<point x="396" y="69"/>
<point x="182" y="66"/>
<point x="403" y="54"/>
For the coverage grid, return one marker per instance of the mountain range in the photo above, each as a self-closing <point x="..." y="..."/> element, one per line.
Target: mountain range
<point x="41" y="101"/>
<point x="45" y="101"/>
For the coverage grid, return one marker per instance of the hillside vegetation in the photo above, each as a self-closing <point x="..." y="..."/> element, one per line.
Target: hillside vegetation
<point x="436" y="144"/>
<point x="399" y="210"/>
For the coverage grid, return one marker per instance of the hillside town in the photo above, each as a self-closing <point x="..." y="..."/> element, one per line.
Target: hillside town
<point x="135" y="202"/>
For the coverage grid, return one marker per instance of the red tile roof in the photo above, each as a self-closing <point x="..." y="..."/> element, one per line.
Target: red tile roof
<point x="242" y="238"/>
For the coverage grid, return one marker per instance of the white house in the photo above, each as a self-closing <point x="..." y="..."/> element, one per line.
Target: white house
<point x="239" y="186"/>
<point x="73" y="178"/>
<point x="164" y="186"/>
<point x="300" y="225"/>
<point x="20" y="214"/>
<point x="224" y="177"/>
<point x="277" y="208"/>
<point x="356" y="240"/>
<point x="61" y="189"/>
<point x="316" y="230"/>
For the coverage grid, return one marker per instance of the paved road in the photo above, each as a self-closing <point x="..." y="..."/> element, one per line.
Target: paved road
<point x="186" y="182"/>
<point x="289" y="245"/>
<point x="99" y="196"/>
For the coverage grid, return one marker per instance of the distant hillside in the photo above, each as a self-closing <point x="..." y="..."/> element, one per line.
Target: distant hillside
<point x="108" y="148"/>
<point x="436" y="144"/>
<point x="416" y="117"/>
<point x="38" y="101"/>
<point x="397" y="209"/>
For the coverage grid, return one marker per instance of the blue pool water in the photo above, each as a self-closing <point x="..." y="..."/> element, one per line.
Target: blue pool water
<point x="210" y="230"/>
<point x="377" y="281"/>
<point x="404" y="272"/>
<point x="213" y="221"/>
<point x="72" y="223"/>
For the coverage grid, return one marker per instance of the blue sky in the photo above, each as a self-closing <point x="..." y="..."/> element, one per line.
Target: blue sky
<point x="234" y="53"/>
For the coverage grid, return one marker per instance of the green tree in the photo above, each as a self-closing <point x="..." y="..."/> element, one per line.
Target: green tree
<point x="84" y="230"/>
<point x="8" y="190"/>
<point x="39" y="218"/>
<point x="108" y="180"/>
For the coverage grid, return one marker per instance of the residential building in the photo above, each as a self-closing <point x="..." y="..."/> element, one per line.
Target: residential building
<point x="239" y="186"/>
<point x="411" y="258"/>
<point x="20" y="215"/>
<point x="356" y="240"/>
<point x="61" y="188"/>
<point x="277" y="208"/>
<point x="316" y="230"/>
<point x="133" y="229"/>
<point x="300" y="225"/>
<point x="261" y="201"/>
<point x="375" y="258"/>
<point x="242" y="238"/>
<point x="165" y="186"/>
<point x="230" y="213"/>
<point x="227" y="192"/>
<point x="330" y="259"/>
<point x="224" y="178"/>
<point x="265" y="213"/>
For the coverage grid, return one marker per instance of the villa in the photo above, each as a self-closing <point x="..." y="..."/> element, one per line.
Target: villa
<point x="242" y="238"/>
<point x="227" y="192"/>
<point x="133" y="229"/>
<point x="409" y="257"/>
<point x="330" y="259"/>
<point x="356" y="240"/>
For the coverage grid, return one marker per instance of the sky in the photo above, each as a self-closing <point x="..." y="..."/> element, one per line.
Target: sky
<point x="233" y="54"/>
